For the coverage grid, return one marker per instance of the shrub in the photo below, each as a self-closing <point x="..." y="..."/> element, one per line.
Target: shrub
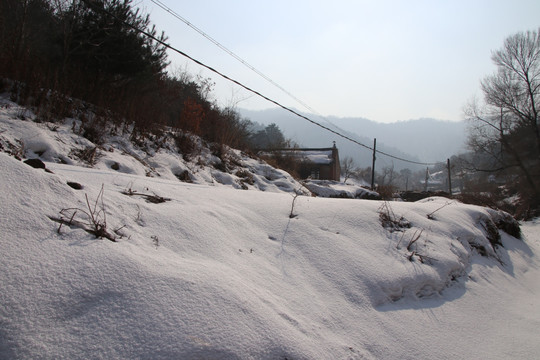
<point x="184" y="176"/>
<point x="386" y="191"/>
<point x="89" y="155"/>
<point x="186" y="145"/>
<point x="492" y="232"/>
<point x="246" y="176"/>
<point x="389" y="220"/>
<point x="507" y="223"/>
<point x="284" y="161"/>
<point x="92" y="219"/>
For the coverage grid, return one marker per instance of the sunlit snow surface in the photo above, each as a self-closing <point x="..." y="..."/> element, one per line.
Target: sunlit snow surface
<point x="221" y="273"/>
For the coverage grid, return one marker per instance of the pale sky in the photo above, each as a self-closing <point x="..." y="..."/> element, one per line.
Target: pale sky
<point x="382" y="60"/>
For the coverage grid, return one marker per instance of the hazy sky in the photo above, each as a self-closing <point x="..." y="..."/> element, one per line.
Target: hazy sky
<point x="382" y="60"/>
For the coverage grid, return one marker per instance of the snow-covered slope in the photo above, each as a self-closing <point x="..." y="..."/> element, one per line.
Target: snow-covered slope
<point x="22" y="135"/>
<point x="200" y="271"/>
<point x="334" y="189"/>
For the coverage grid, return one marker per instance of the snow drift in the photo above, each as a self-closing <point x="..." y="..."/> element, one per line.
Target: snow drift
<point x="212" y="272"/>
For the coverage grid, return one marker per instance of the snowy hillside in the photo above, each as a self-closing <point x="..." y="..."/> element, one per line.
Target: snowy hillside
<point x="204" y="270"/>
<point x="67" y="142"/>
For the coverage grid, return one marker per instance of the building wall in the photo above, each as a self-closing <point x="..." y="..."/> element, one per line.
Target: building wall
<point x="336" y="170"/>
<point x="330" y="171"/>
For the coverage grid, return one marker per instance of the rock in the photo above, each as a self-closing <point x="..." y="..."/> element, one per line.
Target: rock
<point x="75" y="185"/>
<point x="35" y="163"/>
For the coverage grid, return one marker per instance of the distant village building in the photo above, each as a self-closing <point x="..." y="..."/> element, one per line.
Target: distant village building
<point x="314" y="163"/>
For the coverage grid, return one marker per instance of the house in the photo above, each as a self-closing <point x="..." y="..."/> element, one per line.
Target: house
<point x="311" y="163"/>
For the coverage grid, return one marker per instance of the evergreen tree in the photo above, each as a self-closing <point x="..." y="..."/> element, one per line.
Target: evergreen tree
<point x="104" y="41"/>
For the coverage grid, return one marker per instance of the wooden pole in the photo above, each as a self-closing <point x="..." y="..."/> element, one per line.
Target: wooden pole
<point x="373" y="164"/>
<point x="449" y="177"/>
<point x="427" y="177"/>
<point x="407" y="183"/>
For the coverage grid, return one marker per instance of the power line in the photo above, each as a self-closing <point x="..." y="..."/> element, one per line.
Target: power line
<point x="222" y="47"/>
<point x="147" y="34"/>
<point x="242" y="61"/>
<point x="245" y="63"/>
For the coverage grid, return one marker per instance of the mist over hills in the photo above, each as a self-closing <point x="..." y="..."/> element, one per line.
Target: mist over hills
<point x="423" y="140"/>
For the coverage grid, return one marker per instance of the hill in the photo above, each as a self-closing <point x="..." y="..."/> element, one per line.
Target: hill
<point x="424" y="140"/>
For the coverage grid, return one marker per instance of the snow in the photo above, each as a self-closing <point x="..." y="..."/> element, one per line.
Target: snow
<point x="321" y="157"/>
<point x="216" y="272"/>
<point x="335" y="189"/>
<point x="62" y="142"/>
<point x="317" y="157"/>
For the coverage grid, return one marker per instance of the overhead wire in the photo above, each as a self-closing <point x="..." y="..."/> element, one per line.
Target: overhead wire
<point x="168" y="46"/>
<point x="242" y="61"/>
<point x="231" y="53"/>
<point x="166" y="8"/>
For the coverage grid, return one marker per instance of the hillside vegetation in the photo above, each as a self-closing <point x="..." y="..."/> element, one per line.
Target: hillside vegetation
<point x="58" y="57"/>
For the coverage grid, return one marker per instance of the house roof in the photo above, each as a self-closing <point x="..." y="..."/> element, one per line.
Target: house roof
<point x="317" y="157"/>
<point x="321" y="156"/>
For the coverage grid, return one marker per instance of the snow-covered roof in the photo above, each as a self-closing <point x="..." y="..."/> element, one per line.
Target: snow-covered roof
<point x="316" y="156"/>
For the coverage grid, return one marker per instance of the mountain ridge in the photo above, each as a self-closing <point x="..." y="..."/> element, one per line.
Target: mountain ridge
<point x="419" y="140"/>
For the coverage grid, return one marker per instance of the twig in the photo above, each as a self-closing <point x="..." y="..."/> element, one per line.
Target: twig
<point x="151" y="198"/>
<point x="296" y="194"/>
<point x="401" y="238"/>
<point x="420" y="256"/>
<point x="96" y="220"/>
<point x="430" y="215"/>
<point x="414" y="239"/>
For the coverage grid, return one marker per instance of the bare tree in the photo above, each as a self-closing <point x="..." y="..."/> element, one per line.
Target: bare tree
<point x="386" y="176"/>
<point x="347" y="168"/>
<point x="405" y="175"/>
<point x="506" y="125"/>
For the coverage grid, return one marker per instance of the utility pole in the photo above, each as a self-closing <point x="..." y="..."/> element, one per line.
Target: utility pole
<point x="407" y="183"/>
<point x="449" y="177"/>
<point x="373" y="164"/>
<point x="427" y="177"/>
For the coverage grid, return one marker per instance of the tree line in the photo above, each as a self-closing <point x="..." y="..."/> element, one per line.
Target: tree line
<point x="58" y="50"/>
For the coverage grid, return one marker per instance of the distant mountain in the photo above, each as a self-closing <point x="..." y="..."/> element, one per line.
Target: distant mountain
<point x="428" y="139"/>
<point x="423" y="140"/>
